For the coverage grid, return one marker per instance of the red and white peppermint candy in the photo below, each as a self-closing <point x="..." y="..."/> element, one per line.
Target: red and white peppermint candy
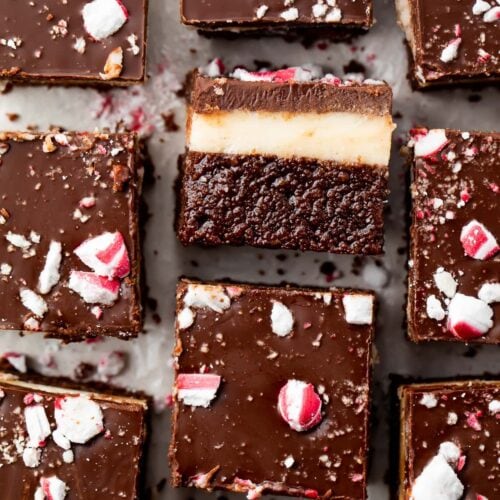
<point x="197" y="389"/>
<point x="37" y="425"/>
<point x="51" y="488"/>
<point x="477" y="241"/>
<point x="49" y="277"/>
<point x="468" y="317"/>
<point x="299" y="405"/>
<point x="105" y="254"/>
<point x="428" y="142"/>
<point x="78" y="418"/>
<point x="103" y="18"/>
<point x="94" y="289"/>
<point x="296" y="74"/>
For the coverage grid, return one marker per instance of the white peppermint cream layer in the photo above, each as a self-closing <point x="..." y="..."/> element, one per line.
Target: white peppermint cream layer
<point x="342" y="137"/>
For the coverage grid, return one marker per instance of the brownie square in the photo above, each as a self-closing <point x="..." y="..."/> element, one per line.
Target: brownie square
<point x="59" y="442"/>
<point x="338" y="19"/>
<point x="453" y="282"/>
<point x="451" y="41"/>
<point x="70" y="261"/>
<point x="78" y="41"/>
<point x="272" y="389"/>
<point x="450" y="433"/>
<point x="286" y="159"/>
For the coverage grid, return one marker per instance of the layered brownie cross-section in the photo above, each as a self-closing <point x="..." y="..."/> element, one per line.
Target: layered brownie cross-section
<point x="60" y="443"/>
<point x="272" y="390"/>
<point x="77" y="41"/>
<point x="450" y="434"/>
<point x="335" y="19"/>
<point x="454" y="276"/>
<point x="69" y="237"/>
<point x="286" y="159"/>
<point x="451" y="41"/>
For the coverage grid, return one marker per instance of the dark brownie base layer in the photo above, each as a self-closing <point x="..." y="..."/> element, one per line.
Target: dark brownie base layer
<point x="274" y="202"/>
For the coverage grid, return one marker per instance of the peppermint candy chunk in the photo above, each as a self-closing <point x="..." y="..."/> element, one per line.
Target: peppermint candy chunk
<point x="358" y="308"/>
<point x="185" y="318"/>
<point x="94" y="289"/>
<point x="37" y="425"/>
<point x="494" y="406"/>
<point x="49" y="277"/>
<point x="489" y="293"/>
<point x="480" y="6"/>
<point x="33" y="302"/>
<point x="111" y="364"/>
<point x="103" y="18"/>
<point x="281" y="319"/>
<point x="78" y="418"/>
<point x="429" y="142"/>
<point x="450" y="52"/>
<point x="31" y="457"/>
<point x="477" y="241"/>
<point x="468" y="317"/>
<point x="434" y="309"/>
<point x="51" y="488"/>
<point x="106" y="255"/>
<point x="197" y="389"/>
<point x="492" y="15"/>
<point x="207" y="296"/>
<point x="299" y="405"/>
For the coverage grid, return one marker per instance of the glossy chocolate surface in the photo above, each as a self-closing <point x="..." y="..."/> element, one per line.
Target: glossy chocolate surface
<point x="241" y="433"/>
<point x="243" y="13"/>
<point x="41" y="193"/>
<point x="424" y="429"/>
<point x="437" y="23"/>
<point x="106" y="467"/>
<point x="38" y="37"/>
<point x="467" y="168"/>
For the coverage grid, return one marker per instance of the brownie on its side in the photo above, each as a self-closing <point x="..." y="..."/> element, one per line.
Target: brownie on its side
<point x="73" y="42"/>
<point x="451" y="42"/>
<point x="61" y="443"/>
<point x="454" y="270"/>
<point x="69" y="240"/>
<point x="449" y="440"/>
<point x="272" y="390"/>
<point x="286" y="159"/>
<point x="338" y="19"/>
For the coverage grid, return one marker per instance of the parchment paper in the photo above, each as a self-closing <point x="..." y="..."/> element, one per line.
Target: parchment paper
<point x="173" y="50"/>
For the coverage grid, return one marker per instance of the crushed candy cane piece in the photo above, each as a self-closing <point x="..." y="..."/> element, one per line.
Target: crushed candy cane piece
<point x="33" y="302"/>
<point x="494" y="406"/>
<point x="94" y="289"/>
<point x="78" y="418"/>
<point x="106" y="255"/>
<point x="18" y="240"/>
<point x="281" y="319"/>
<point x="468" y="317"/>
<point x="197" y="389"/>
<point x="489" y="293"/>
<point x="445" y="283"/>
<point x="358" y="308"/>
<point x="111" y="364"/>
<point x="299" y="405"/>
<point x="492" y="15"/>
<point x="450" y="52"/>
<point x="31" y="457"/>
<point x="103" y="18"/>
<point x="207" y="296"/>
<point x="185" y="318"/>
<point x="49" y="277"/>
<point x="428" y="400"/>
<point x="434" y="309"/>
<point x="477" y="241"/>
<point x="37" y="425"/>
<point x="429" y="142"/>
<point x="61" y="440"/>
<point x="51" y="488"/>
<point x="480" y="6"/>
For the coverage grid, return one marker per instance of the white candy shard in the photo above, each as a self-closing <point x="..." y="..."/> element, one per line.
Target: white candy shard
<point x="428" y="400"/>
<point x="494" y="406"/>
<point x="430" y="142"/>
<point x="185" y="318"/>
<point x="103" y="18"/>
<point x="281" y="319"/>
<point x="33" y="302"/>
<point x="358" y="308"/>
<point x="18" y="240"/>
<point x="207" y="296"/>
<point x="450" y="52"/>
<point x="445" y="282"/>
<point x="450" y="452"/>
<point x="51" y="488"/>
<point x="489" y="293"/>
<point x="434" y="308"/>
<point x="78" y="418"/>
<point x="469" y="317"/>
<point x="480" y="6"/>
<point x="49" y="277"/>
<point x="68" y="457"/>
<point x="61" y="440"/>
<point x="492" y="15"/>
<point x="37" y="425"/>
<point x="94" y="289"/>
<point x="31" y="456"/>
<point x="197" y="389"/>
<point x="290" y="14"/>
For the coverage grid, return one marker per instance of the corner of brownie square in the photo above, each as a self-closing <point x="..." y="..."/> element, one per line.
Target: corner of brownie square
<point x="83" y="42"/>
<point x="288" y="159"/>
<point x="450" y="434"/>
<point x="451" y="42"/>
<point x="454" y="270"/>
<point x="62" y="441"/>
<point x="70" y="263"/>
<point x="272" y="390"/>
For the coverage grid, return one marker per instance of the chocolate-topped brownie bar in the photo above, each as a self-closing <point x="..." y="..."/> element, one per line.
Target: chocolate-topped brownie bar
<point x="450" y="434"/>
<point x="77" y="41"/>
<point x="59" y="443"/>
<point x="337" y="18"/>
<point x="69" y="237"/>
<point x="286" y="159"/>
<point x="451" y="41"/>
<point x="454" y="276"/>
<point x="272" y="390"/>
